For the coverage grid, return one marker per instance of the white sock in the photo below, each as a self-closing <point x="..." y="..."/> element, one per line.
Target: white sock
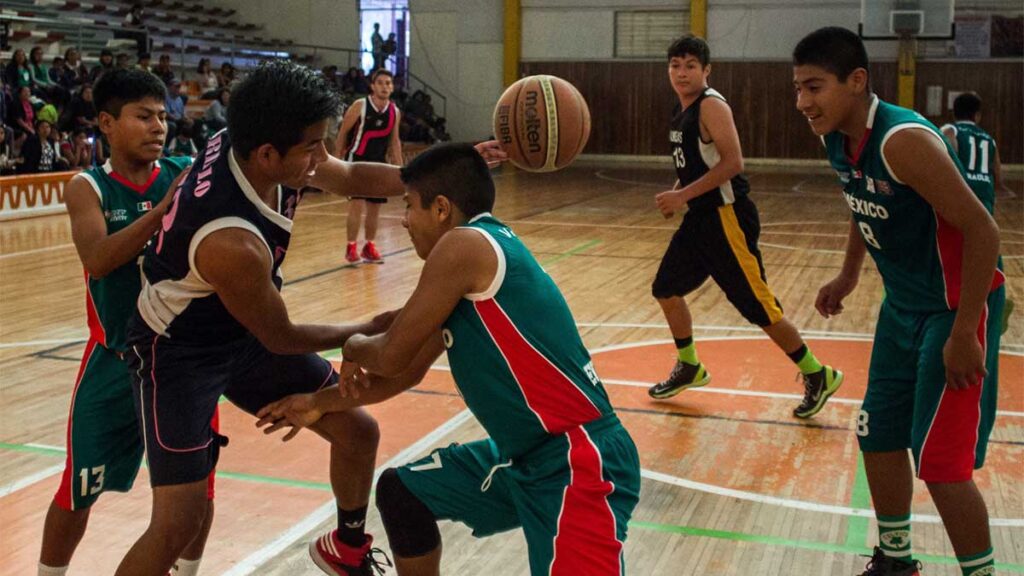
<point x="45" y="570"/>
<point x="184" y="567"/>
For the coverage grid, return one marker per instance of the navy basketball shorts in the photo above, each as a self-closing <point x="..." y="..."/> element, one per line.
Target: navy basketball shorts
<point x="177" y="387"/>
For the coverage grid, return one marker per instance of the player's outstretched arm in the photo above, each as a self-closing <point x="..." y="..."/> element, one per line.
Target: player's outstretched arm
<point x="99" y="252"/>
<point x="463" y="262"/>
<point x="237" y="264"/>
<point x="918" y="158"/>
<point x="830" y="297"/>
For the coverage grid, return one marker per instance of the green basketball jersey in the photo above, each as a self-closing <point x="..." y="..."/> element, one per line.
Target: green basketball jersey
<point x="918" y="254"/>
<point x="976" y="150"/>
<point x="110" y="301"/>
<point x="516" y="355"/>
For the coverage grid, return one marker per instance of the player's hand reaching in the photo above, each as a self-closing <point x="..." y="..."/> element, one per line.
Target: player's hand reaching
<point x="351" y="378"/>
<point x="830" y="297"/>
<point x="381" y="322"/>
<point x="670" y="202"/>
<point x="297" y="411"/>
<point x="492" y="153"/>
<point x="964" y="359"/>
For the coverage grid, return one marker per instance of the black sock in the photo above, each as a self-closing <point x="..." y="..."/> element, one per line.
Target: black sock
<point x="683" y="342"/>
<point x="798" y="355"/>
<point x="351" y="526"/>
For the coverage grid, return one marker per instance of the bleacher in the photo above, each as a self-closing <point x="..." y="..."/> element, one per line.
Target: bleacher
<point x="184" y="29"/>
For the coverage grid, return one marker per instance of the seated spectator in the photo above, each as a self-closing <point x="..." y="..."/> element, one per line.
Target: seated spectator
<point x="77" y="151"/>
<point x="226" y="75"/>
<point x="122" y="61"/>
<point x="135" y="28"/>
<point x="164" y="71"/>
<point x="175" y="107"/>
<point x="23" y="116"/>
<point x="17" y="73"/>
<point x="216" y="116"/>
<point x="106" y="64"/>
<point x="331" y="76"/>
<point x="207" y="79"/>
<point x="39" y="153"/>
<point x="83" y="111"/>
<point x="182" y="144"/>
<point x="41" y="78"/>
<point x="76" y="69"/>
<point x="144" y="60"/>
<point x="8" y="161"/>
<point x="60" y="75"/>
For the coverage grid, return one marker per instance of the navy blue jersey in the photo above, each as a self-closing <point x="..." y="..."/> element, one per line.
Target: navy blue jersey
<point x="693" y="157"/>
<point x="373" y="132"/>
<point x="176" y="301"/>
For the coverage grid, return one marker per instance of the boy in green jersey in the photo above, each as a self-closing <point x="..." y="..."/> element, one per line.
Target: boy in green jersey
<point x="114" y="211"/>
<point x="933" y="374"/>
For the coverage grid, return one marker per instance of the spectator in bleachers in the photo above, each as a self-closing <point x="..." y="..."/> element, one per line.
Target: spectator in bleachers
<point x="17" y="73"/>
<point x="106" y="64"/>
<point x="206" y="78"/>
<point x="216" y="116"/>
<point x="135" y="27"/>
<point x="182" y="143"/>
<point x="59" y="74"/>
<point x="226" y="75"/>
<point x="390" y="47"/>
<point x="77" y="151"/>
<point x="175" y="108"/>
<point x="83" y="111"/>
<point x="41" y="78"/>
<point x="355" y="82"/>
<point x="144" y="60"/>
<point x="22" y="116"/>
<point x="377" y="48"/>
<point x="76" y="68"/>
<point x="8" y="161"/>
<point x="39" y="152"/>
<point x="164" y="71"/>
<point x="122" y="61"/>
<point x="331" y="76"/>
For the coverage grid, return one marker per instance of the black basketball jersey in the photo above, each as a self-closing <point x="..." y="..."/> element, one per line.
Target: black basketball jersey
<point x="693" y="157"/>
<point x="373" y="132"/>
<point x="176" y="301"/>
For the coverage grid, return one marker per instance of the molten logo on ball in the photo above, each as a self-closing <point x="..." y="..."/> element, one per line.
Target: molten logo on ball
<point x="532" y="121"/>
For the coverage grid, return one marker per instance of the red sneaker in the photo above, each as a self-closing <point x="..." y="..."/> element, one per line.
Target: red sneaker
<point x="370" y="253"/>
<point x="339" y="559"/>
<point x="351" y="253"/>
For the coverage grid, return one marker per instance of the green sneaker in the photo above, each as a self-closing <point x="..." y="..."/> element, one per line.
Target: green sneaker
<point x="818" y="388"/>
<point x="683" y="376"/>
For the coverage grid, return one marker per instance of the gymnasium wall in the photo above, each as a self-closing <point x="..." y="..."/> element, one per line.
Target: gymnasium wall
<point x="316" y="22"/>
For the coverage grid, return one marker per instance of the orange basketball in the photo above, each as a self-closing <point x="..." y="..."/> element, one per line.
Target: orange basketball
<point x="542" y="122"/>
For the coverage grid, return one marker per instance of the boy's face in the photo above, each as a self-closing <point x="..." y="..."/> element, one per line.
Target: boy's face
<point x="824" y="101"/>
<point x="43" y="130"/>
<point x="295" y="168"/>
<point x="425" y="225"/>
<point x="382" y="87"/>
<point x="687" y="75"/>
<point x="139" y="132"/>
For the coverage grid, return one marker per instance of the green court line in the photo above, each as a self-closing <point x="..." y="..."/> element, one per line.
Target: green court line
<point x="801" y="544"/>
<point x="666" y="528"/>
<point x="860" y="498"/>
<point x="571" y="252"/>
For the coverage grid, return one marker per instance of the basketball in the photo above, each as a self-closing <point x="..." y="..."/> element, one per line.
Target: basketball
<point x="542" y="122"/>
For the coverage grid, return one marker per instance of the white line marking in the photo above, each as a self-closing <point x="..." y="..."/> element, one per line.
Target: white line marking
<point x="800" y="504"/>
<point x="35" y="251"/>
<point x="255" y="560"/>
<point x="34" y="343"/>
<point x="31" y="479"/>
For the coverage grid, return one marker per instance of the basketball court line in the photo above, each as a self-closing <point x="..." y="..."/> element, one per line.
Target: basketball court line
<point x="36" y="251"/>
<point x="31" y="479"/>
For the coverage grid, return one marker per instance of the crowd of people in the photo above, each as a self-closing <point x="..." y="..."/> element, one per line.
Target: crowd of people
<point x="49" y="121"/>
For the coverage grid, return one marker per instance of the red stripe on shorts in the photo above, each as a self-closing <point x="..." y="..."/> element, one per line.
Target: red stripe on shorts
<point x="63" y="497"/>
<point x="586" y="543"/>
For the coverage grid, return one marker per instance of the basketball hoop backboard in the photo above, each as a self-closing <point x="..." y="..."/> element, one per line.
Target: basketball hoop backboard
<point x="895" y="19"/>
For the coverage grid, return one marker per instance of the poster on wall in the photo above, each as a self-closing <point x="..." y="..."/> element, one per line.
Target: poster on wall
<point x="973" y="36"/>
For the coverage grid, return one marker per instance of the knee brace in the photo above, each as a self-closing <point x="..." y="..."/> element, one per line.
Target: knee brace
<point x="410" y="525"/>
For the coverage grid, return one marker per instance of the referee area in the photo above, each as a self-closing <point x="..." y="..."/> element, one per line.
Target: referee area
<point x="732" y="483"/>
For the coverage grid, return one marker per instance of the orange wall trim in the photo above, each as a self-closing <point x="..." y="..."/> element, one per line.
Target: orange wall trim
<point x="32" y="195"/>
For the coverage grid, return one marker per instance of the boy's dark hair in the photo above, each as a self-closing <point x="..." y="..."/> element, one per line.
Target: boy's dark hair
<point x="690" y="45"/>
<point x="381" y="72"/>
<point x="835" y="49"/>
<point x="275" y="104"/>
<point x="123" y="86"/>
<point x="456" y="171"/>
<point x="966" y="105"/>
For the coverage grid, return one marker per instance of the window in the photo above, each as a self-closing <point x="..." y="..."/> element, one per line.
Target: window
<point x="647" y="34"/>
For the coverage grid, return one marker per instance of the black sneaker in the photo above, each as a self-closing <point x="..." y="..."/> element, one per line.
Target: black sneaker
<point x="818" y="388"/>
<point x="882" y="565"/>
<point x="683" y="376"/>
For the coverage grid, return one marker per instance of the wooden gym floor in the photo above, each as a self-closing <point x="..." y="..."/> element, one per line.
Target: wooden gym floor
<point x="733" y="484"/>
